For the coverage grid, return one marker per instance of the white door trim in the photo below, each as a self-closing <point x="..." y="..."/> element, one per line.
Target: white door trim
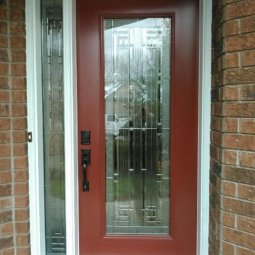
<point x="71" y="127"/>
<point x="35" y="125"/>
<point x="35" y="149"/>
<point x="204" y="117"/>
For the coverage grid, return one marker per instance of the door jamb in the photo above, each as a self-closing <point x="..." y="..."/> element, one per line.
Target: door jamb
<point x="35" y="149"/>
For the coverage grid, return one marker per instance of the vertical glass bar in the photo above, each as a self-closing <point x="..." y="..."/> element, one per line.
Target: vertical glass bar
<point x="137" y="121"/>
<point x="53" y="124"/>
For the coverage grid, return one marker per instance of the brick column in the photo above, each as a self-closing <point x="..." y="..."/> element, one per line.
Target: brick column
<point x="14" y="205"/>
<point x="232" y="211"/>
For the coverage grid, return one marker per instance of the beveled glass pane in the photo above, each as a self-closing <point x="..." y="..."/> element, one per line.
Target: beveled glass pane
<point x="137" y="108"/>
<point x="53" y="124"/>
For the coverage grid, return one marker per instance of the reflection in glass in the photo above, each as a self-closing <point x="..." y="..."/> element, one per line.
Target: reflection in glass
<point x="53" y="124"/>
<point x="137" y="93"/>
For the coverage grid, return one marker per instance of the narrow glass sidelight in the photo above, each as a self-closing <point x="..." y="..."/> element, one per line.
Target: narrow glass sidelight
<point x="53" y="125"/>
<point x="137" y="121"/>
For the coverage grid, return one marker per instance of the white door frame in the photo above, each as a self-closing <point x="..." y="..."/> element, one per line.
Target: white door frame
<point x="35" y="149"/>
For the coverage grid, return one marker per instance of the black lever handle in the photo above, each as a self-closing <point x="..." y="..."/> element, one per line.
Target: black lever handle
<point x="85" y="184"/>
<point x="85" y="162"/>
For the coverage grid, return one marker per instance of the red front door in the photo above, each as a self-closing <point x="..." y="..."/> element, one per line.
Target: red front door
<point x="137" y="114"/>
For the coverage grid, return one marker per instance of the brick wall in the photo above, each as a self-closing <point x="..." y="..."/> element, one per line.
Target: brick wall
<point x="14" y="213"/>
<point x="232" y="178"/>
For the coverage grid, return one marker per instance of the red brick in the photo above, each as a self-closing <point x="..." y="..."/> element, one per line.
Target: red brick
<point x="21" y="201"/>
<point x="17" y="42"/>
<point x="247" y="159"/>
<point x="18" y="56"/>
<point x="231" y="60"/>
<point x="4" y="110"/>
<point x="239" y="207"/>
<point x="247" y="92"/>
<point x="23" y="251"/>
<point x="6" y="203"/>
<point x="216" y="138"/>
<point x="248" y="24"/>
<point x="5" y="190"/>
<point x="239" y="9"/>
<point x="17" y="14"/>
<point x="228" y="219"/>
<point x="216" y="123"/>
<point x="9" y="252"/>
<point x="21" y="189"/>
<point x="248" y="58"/>
<point x="22" y="240"/>
<point x="5" y="150"/>
<point x="4" y="83"/>
<point x="17" y="3"/>
<point x="19" y="96"/>
<point x="6" y="216"/>
<point x="19" y="137"/>
<point x="4" y="96"/>
<point x="17" y="28"/>
<point x="239" y="76"/>
<point x="6" y="242"/>
<point x="3" y="27"/>
<point x="4" y="55"/>
<point x="3" y="41"/>
<point x="246" y="224"/>
<point x="243" y="142"/>
<point x="246" y="192"/>
<point x="18" y="69"/>
<point x="19" y="110"/>
<point x="230" y="93"/>
<point x="5" y="124"/>
<point x="6" y="229"/>
<point x="228" y="249"/>
<point x="20" y="163"/>
<point x="3" y="13"/>
<point x="238" y="237"/>
<point x="232" y="27"/>
<point x="247" y="126"/>
<point x="21" y="176"/>
<point x="4" y="69"/>
<point x="5" y="137"/>
<point x="5" y="164"/>
<point x="22" y="227"/>
<point x="18" y="83"/>
<point x="229" y="189"/>
<point x="5" y="177"/>
<point x="243" y="251"/>
<point x="22" y="215"/>
<point x="19" y="124"/>
<point x="244" y="109"/>
<point x="229" y="157"/>
<point x="19" y="149"/>
<point x="239" y="42"/>
<point x="239" y="174"/>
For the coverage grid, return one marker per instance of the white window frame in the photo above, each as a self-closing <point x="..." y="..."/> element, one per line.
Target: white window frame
<point x="35" y="149"/>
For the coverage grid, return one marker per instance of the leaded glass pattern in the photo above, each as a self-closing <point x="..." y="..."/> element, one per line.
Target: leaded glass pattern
<point x="137" y="108"/>
<point x="53" y="124"/>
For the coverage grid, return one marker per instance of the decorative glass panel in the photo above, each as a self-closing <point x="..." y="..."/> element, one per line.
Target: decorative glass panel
<point x="137" y="110"/>
<point x="53" y="122"/>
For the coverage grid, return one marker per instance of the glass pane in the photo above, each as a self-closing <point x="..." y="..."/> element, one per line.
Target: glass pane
<point x="137" y="107"/>
<point x="53" y="122"/>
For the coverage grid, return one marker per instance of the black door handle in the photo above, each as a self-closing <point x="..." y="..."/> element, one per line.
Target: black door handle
<point x="85" y="184"/>
<point x="85" y="161"/>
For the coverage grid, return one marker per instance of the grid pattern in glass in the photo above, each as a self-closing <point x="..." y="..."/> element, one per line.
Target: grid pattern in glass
<point x="137" y="108"/>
